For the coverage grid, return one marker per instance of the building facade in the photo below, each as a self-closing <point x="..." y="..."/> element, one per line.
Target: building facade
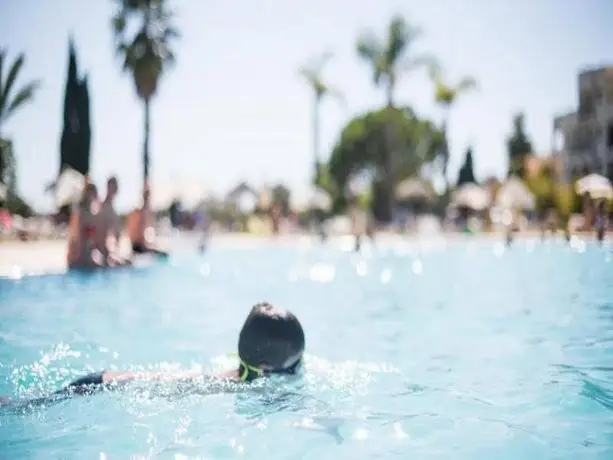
<point x="584" y="139"/>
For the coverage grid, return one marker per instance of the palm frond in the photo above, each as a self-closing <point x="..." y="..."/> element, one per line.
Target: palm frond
<point x="318" y="64"/>
<point x="401" y="35"/>
<point x="443" y="94"/>
<point x="371" y="51"/>
<point x="23" y="96"/>
<point x="466" y="84"/>
<point x="5" y="90"/>
<point x="338" y="95"/>
<point x="446" y="94"/>
<point x="118" y="24"/>
<point x="423" y="61"/>
<point x="9" y="103"/>
<point x="308" y="74"/>
<point x="2" y="57"/>
<point x="369" y="48"/>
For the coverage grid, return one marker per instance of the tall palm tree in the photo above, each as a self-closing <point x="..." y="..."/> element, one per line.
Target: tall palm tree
<point x="446" y="95"/>
<point x="390" y="59"/>
<point x="147" y="54"/>
<point x="11" y="100"/>
<point x="312" y="73"/>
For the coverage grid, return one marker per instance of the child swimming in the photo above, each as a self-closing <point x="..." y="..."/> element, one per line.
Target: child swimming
<point x="271" y="341"/>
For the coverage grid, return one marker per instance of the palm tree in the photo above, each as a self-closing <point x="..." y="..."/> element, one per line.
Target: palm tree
<point x="446" y="95"/>
<point x="147" y="54"/>
<point x="312" y="73"/>
<point x="390" y="59"/>
<point x="11" y="99"/>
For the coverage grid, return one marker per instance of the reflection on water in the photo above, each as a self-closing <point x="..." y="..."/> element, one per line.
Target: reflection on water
<point x="467" y="350"/>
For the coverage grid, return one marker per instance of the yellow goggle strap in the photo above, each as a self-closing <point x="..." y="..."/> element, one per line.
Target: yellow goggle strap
<point x="249" y="368"/>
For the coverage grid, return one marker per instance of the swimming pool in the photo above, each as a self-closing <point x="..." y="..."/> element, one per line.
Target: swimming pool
<point x="423" y="350"/>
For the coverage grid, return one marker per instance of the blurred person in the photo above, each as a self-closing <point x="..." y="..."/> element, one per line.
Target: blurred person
<point x="141" y="229"/>
<point x="84" y="228"/>
<point x="108" y="239"/>
<point x="202" y="223"/>
<point x="600" y="223"/>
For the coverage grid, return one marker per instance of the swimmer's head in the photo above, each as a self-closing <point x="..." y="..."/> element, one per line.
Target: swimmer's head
<point x="271" y="341"/>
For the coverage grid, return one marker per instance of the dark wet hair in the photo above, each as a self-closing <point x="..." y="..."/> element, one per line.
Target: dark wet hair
<point x="271" y="341"/>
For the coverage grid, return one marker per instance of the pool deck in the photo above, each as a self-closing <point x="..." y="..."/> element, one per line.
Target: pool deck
<point x="49" y="256"/>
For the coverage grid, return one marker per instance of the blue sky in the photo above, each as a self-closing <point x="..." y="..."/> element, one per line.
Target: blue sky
<point x="234" y="108"/>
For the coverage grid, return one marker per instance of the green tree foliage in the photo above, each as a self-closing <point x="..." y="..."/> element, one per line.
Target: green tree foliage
<point x="566" y="200"/>
<point x="518" y="147"/>
<point x="75" y="143"/>
<point x="147" y="54"/>
<point x="281" y="196"/>
<point x="12" y="99"/>
<point x="390" y="59"/>
<point x="467" y="174"/>
<point x="361" y="150"/>
<point x="8" y="167"/>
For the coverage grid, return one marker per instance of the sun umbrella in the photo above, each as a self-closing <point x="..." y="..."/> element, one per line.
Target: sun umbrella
<point x="413" y="188"/>
<point x="515" y="195"/>
<point x="596" y="186"/>
<point x="471" y="196"/>
<point x="68" y="187"/>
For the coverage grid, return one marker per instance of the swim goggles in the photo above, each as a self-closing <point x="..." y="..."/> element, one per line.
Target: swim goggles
<point x="247" y="372"/>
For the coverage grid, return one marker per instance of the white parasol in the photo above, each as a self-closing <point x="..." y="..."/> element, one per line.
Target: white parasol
<point x="68" y="187"/>
<point x="413" y="188"/>
<point x="596" y="186"/>
<point x="471" y="196"/>
<point x="514" y="194"/>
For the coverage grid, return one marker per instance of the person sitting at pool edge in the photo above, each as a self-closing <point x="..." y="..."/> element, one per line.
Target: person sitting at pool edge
<point x="271" y="341"/>
<point x="140" y="228"/>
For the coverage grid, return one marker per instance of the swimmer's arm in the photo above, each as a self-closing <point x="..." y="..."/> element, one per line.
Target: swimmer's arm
<point x="122" y="377"/>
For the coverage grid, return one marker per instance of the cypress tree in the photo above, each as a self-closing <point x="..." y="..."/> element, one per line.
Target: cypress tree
<point x="467" y="175"/>
<point x="518" y="146"/>
<point x="76" y="134"/>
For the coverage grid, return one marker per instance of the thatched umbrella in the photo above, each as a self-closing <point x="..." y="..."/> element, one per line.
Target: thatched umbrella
<point x="471" y="196"/>
<point x="414" y="189"/>
<point x="68" y="188"/>
<point x="596" y="186"/>
<point x="514" y="194"/>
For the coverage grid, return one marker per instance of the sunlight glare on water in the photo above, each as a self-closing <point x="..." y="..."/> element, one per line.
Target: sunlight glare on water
<point x="464" y="350"/>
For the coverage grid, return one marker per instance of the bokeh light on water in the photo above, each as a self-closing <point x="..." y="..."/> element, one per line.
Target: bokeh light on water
<point x="431" y="349"/>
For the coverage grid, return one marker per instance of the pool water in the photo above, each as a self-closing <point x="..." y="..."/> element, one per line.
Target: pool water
<point x="421" y="350"/>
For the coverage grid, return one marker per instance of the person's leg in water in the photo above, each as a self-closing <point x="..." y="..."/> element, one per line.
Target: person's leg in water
<point x="358" y="243"/>
<point x="141" y="248"/>
<point x="271" y="341"/>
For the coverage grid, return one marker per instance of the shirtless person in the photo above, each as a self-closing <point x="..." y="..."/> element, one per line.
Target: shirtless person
<point x="140" y="229"/>
<point x="109" y="238"/>
<point x="83" y="232"/>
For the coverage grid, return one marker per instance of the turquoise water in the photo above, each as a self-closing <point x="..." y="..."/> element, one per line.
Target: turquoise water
<point x="421" y="351"/>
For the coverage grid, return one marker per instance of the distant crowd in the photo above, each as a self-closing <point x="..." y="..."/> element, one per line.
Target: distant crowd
<point x="95" y="230"/>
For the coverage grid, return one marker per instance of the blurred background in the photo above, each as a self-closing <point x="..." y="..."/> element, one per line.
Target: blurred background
<point x="383" y="108"/>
